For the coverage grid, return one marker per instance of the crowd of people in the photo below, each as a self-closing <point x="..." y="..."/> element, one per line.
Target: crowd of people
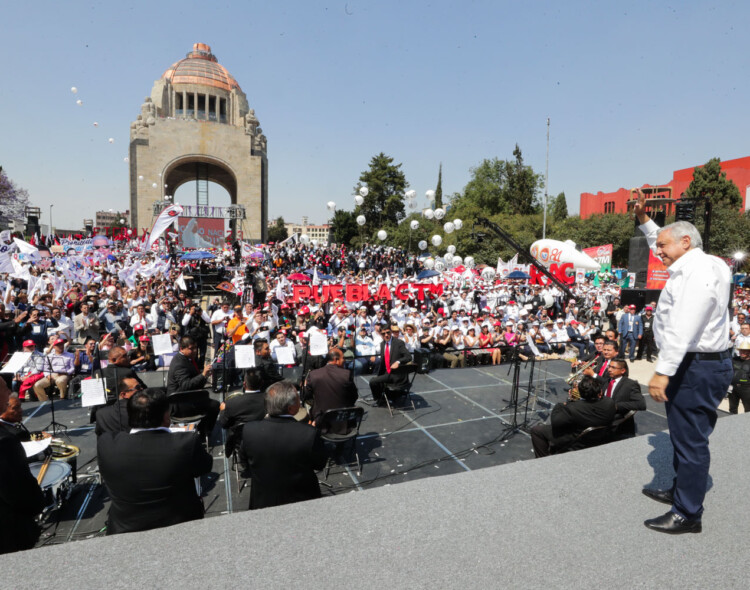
<point x="77" y="315"/>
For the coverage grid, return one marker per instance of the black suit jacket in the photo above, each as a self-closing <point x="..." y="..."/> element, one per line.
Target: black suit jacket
<point x="627" y="396"/>
<point x="21" y="499"/>
<point x="240" y="408"/>
<point x="331" y="387"/>
<point x="283" y="455"/>
<point x="398" y="353"/>
<point x="269" y="372"/>
<point x="113" y="418"/>
<point x="184" y="375"/>
<point x="150" y="478"/>
<point x="568" y="420"/>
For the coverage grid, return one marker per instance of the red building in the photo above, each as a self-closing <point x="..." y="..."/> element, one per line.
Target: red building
<point x="738" y="171"/>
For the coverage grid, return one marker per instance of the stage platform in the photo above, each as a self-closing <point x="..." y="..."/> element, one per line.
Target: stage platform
<point x="462" y="423"/>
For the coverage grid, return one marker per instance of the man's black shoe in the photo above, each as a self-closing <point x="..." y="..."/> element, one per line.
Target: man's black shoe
<point x="674" y="524"/>
<point x="663" y="496"/>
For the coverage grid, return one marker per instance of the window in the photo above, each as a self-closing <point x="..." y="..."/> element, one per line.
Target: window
<point x="609" y="207"/>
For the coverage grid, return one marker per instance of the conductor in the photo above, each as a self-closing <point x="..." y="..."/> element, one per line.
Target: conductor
<point x="694" y="368"/>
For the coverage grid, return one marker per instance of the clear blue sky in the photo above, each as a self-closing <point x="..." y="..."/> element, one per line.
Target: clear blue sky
<point x="634" y="91"/>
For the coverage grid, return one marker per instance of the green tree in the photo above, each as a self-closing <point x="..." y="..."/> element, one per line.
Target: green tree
<point x="730" y="231"/>
<point x="344" y="227"/>
<point x="277" y="232"/>
<point x="597" y="230"/>
<point x="503" y="186"/>
<point x="13" y="200"/>
<point x="439" y="189"/>
<point x="709" y="182"/>
<point x="383" y="206"/>
<point x="559" y="208"/>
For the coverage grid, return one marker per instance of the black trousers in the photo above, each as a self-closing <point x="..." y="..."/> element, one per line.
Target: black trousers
<point x="646" y="344"/>
<point x="737" y="394"/>
<point x="541" y="438"/>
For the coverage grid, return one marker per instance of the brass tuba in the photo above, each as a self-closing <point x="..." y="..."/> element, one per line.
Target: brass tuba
<point x="575" y="378"/>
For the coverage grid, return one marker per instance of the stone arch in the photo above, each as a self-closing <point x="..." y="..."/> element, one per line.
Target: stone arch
<point x="183" y="169"/>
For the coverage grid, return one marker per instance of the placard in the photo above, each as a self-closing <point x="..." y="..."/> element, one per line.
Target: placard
<point x="284" y="355"/>
<point x="244" y="356"/>
<point x="318" y="343"/>
<point x="16" y="362"/>
<point x="162" y="344"/>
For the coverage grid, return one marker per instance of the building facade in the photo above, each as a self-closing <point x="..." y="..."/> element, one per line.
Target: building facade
<point x="738" y="171"/>
<point x="197" y="126"/>
<point x="320" y="233"/>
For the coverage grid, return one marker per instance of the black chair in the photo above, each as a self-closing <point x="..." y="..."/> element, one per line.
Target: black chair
<point x="182" y="406"/>
<point x="594" y="436"/>
<point x="395" y="391"/>
<point x="339" y="427"/>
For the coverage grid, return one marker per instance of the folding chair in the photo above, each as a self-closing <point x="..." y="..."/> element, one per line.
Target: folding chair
<point x="181" y="404"/>
<point x="394" y="391"/>
<point x="339" y="427"/>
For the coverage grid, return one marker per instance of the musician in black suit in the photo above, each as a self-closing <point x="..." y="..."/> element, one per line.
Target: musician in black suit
<point x="117" y="369"/>
<point x="149" y="472"/>
<point x="569" y="419"/>
<point x="283" y="453"/>
<point x="239" y="409"/>
<point x="610" y="350"/>
<point x="264" y="363"/>
<point x="184" y="375"/>
<point x="21" y="499"/>
<point x="331" y="386"/>
<point x="626" y="393"/>
<point x="394" y="355"/>
<point x="114" y="418"/>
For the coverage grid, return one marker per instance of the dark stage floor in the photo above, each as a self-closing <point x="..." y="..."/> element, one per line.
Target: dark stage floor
<point x="461" y="423"/>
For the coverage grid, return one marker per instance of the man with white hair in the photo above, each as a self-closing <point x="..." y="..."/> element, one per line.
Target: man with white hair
<point x="694" y="368"/>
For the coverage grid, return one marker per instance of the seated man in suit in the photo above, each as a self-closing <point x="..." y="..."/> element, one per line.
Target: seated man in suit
<point x="150" y="472"/>
<point x="117" y="369"/>
<point x="283" y="453"/>
<point x="569" y="419"/>
<point x="184" y="375"/>
<point x="394" y="354"/>
<point x="264" y="363"/>
<point x="114" y="418"/>
<point x="21" y="499"/>
<point x="610" y="350"/>
<point x="241" y="408"/>
<point x="626" y="393"/>
<point x="331" y="386"/>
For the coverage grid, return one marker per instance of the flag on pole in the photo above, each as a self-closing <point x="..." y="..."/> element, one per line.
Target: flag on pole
<point x="165" y="219"/>
<point x="26" y="247"/>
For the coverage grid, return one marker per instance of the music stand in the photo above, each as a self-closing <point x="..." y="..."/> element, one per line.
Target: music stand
<point x="54" y="423"/>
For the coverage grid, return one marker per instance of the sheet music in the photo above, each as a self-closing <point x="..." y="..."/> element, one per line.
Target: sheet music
<point x="284" y="355"/>
<point x="162" y="344"/>
<point x="244" y="356"/>
<point x="34" y="447"/>
<point x="16" y="362"/>
<point x="532" y="346"/>
<point x="318" y="344"/>
<point x="93" y="393"/>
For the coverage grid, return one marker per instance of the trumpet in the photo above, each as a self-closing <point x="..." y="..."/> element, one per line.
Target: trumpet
<point x="575" y="378"/>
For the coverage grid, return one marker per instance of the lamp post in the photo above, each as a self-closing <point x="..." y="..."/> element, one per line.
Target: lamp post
<point x="50" y="219"/>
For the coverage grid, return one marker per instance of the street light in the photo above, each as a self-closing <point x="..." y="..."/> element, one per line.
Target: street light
<point x="739" y="256"/>
<point x="50" y="219"/>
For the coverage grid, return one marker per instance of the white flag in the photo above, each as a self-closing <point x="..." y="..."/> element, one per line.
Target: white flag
<point x="500" y="265"/>
<point x="25" y="247"/>
<point x="165" y="219"/>
<point x="180" y="282"/>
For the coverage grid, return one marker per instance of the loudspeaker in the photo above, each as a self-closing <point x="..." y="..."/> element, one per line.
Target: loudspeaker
<point x="639" y="297"/>
<point x="638" y="259"/>
<point x="422" y="360"/>
<point x="685" y="211"/>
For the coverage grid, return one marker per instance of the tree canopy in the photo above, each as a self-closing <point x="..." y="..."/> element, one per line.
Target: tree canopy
<point x="344" y="227"/>
<point x="384" y="204"/>
<point x="277" y="232"/>
<point x="559" y="208"/>
<point x="710" y="182"/>
<point x="13" y="201"/>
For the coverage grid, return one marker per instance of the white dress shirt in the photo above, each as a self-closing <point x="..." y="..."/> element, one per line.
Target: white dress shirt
<point x="693" y="313"/>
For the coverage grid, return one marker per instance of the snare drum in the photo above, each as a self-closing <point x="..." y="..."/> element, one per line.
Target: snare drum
<point x="68" y="453"/>
<point x="56" y="483"/>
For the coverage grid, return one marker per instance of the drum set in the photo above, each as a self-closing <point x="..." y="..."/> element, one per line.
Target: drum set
<point x="57" y="474"/>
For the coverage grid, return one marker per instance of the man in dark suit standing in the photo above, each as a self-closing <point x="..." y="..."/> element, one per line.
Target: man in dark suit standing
<point x="283" y="453"/>
<point x="114" y="418"/>
<point x="331" y="386"/>
<point x="394" y="355"/>
<point x="264" y="363"/>
<point x="184" y="375"/>
<point x="21" y="499"/>
<point x="569" y="419"/>
<point x="626" y="393"/>
<point x="149" y="472"/>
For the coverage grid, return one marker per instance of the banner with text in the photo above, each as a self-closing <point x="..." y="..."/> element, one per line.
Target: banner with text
<point x="364" y="292"/>
<point x="657" y="275"/>
<point x="201" y="232"/>
<point x="602" y="254"/>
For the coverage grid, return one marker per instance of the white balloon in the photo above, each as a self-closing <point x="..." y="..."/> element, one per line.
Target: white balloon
<point x="79" y="102"/>
<point x="430" y="194"/>
<point x="382" y="235"/>
<point x="358" y="200"/>
<point x="436" y="240"/>
<point x="304" y="239"/>
<point x="448" y="227"/>
<point x="439" y="213"/>
<point x="140" y="178"/>
<point x="429" y="263"/>
<point x="361" y="220"/>
<point x="422" y="245"/>
<point x="428" y="213"/>
<point x="96" y="124"/>
<point x="457" y="260"/>
<point x="448" y="257"/>
<point x="414" y="224"/>
<point x="458" y="223"/>
<point x="154" y="185"/>
<point x="314" y="243"/>
<point x="126" y="159"/>
<point x="122" y="221"/>
<point x="451" y="249"/>
<point x="410" y="194"/>
<point x="364" y="191"/>
<point x="440" y="265"/>
<point x="488" y="273"/>
<point x="331" y="206"/>
<point x="111" y="140"/>
<point x="469" y="262"/>
<point x="74" y="90"/>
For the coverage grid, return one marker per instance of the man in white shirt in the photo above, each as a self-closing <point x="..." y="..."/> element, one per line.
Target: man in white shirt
<point x="281" y="341"/>
<point x="219" y="319"/>
<point x="694" y="368"/>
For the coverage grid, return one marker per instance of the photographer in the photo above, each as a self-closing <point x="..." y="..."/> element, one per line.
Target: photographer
<point x="195" y="325"/>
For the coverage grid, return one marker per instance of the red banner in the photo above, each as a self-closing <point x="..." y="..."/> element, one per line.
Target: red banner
<point x="657" y="275"/>
<point x="362" y="292"/>
<point x="560" y="272"/>
<point x="602" y="254"/>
